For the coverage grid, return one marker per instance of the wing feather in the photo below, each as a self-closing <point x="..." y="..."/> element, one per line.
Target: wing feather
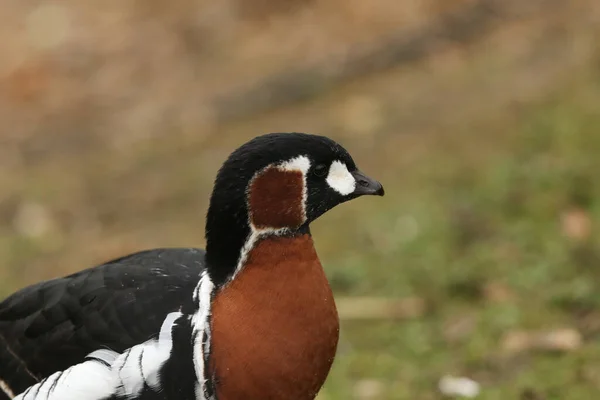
<point x="53" y="325"/>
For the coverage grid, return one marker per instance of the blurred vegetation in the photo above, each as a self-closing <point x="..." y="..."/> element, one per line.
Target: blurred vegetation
<point x="480" y="117"/>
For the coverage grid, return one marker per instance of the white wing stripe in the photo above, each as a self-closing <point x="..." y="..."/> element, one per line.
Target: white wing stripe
<point x="107" y="356"/>
<point x="106" y="373"/>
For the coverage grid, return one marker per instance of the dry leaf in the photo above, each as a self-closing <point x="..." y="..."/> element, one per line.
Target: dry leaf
<point x="48" y="26"/>
<point x="459" y="328"/>
<point x="368" y="389"/>
<point x="566" y="339"/>
<point x="458" y="386"/>
<point x="32" y="220"/>
<point x="29" y="81"/>
<point x="516" y="342"/>
<point x="576" y="224"/>
<point x="380" y="308"/>
<point x="560" y="340"/>
<point x="497" y="292"/>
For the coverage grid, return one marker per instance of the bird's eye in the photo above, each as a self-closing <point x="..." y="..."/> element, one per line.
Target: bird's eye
<point x="320" y="170"/>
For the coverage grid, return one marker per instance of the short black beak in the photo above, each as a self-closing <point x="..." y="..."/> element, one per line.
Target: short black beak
<point x="366" y="185"/>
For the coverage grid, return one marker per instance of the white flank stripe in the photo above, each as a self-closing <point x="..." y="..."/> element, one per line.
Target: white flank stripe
<point x="156" y="353"/>
<point x="88" y="380"/>
<point x="108" y="356"/>
<point x="124" y="376"/>
<point x="127" y="367"/>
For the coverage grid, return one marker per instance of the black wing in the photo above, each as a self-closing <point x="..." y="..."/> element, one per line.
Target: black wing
<point x="52" y="325"/>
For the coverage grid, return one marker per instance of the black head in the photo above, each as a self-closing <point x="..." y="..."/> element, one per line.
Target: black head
<point x="278" y="183"/>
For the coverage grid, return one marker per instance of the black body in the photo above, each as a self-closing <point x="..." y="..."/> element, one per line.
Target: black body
<point x="53" y="325"/>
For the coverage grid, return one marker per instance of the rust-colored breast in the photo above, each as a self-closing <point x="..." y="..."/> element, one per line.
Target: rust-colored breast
<point x="275" y="327"/>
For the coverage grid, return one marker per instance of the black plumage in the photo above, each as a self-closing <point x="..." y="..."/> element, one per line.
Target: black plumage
<point x="52" y="325"/>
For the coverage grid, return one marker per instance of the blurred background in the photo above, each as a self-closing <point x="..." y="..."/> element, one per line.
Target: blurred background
<point x="479" y="116"/>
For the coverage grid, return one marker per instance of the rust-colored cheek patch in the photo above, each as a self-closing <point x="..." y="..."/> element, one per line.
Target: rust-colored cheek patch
<point x="275" y="326"/>
<point x="275" y="199"/>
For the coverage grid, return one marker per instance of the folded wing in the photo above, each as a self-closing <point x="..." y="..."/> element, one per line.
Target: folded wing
<point x="52" y="326"/>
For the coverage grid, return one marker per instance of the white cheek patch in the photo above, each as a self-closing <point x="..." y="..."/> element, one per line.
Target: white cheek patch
<point x="340" y="179"/>
<point x="300" y="163"/>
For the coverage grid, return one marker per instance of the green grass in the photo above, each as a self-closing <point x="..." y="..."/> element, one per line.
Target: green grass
<point x="460" y="223"/>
